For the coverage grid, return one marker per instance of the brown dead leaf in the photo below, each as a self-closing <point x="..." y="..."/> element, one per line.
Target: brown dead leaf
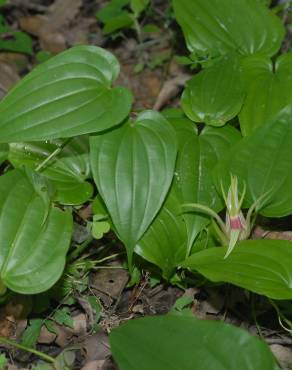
<point x="209" y="308"/>
<point x="96" y="347"/>
<point x="260" y="233"/>
<point x="8" y="78"/>
<point x="7" y="325"/>
<point x="110" y="281"/>
<point x="65" y="334"/>
<point x="94" y="365"/>
<point x="283" y="355"/>
<point x="46" y="337"/>
<point x="49" y="28"/>
<point x="170" y="89"/>
<point x="14" y="367"/>
<point x="145" y="85"/>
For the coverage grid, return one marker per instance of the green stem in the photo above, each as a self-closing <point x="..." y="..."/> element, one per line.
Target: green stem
<point x="78" y="250"/>
<point x="282" y="318"/>
<point x="208" y="211"/>
<point x="41" y="355"/>
<point x="52" y="155"/>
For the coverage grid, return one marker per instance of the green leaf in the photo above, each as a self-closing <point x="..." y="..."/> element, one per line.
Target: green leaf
<point x="151" y="28"/>
<point x="16" y="41"/>
<point x="65" y="360"/>
<point x="222" y="26"/>
<point x="138" y="6"/>
<point x="3" y="359"/>
<point x="30" y="335"/>
<point x="264" y="165"/>
<point x="197" y="157"/>
<point x="4" y="148"/>
<point x="215" y="95"/>
<point x="123" y="20"/>
<point x="63" y="317"/>
<point x="68" y="95"/>
<point x="99" y="228"/>
<point x="180" y="342"/>
<point x="165" y="241"/>
<point x="261" y="266"/>
<point x="111" y="10"/>
<point x="269" y="90"/>
<point x="35" y="236"/>
<point x="97" y="310"/>
<point x="133" y="167"/>
<point x="67" y="170"/>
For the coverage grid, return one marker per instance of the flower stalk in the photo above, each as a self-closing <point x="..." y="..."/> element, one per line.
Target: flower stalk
<point x="236" y="227"/>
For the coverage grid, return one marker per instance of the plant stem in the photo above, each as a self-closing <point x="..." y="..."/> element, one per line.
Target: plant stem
<point x="31" y="350"/>
<point x="78" y="250"/>
<point x="204" y="209"/>
<point x="52" y="155"/>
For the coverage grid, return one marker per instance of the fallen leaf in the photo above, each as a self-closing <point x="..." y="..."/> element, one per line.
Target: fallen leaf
<point x="96" y="347"/>
<point x="46" y="337"/>
<point x="170" y="89"/>
<point x="283" y="355"/>
<point x="49" y="28"/>
<point x="94" y="365"/>
<point x="8" y="78"/>
<point x="110" y="281"/>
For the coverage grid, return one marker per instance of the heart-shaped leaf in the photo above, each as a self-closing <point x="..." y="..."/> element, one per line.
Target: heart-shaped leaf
<point x="133" y="167"/>
<point x="175" y="342"/>
<point x="99" y="228"/>
<point x="197" y="157"/>
<point x="35" y="236"/>
<point x="215" y="95"/>
<point x="221" y="26"/>
<point x="262" y="266"/>
<point x="68" y="168"/>
<point x="269" y="90"/>
<point x="165" y="241"/>
<point x="263" y="161"/>
<point x="68" y="95"/>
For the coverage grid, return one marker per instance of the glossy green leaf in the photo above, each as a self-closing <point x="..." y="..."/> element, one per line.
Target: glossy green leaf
<point x="4" y="149"/>
<point x="133" y="167"/>
<point x="222" y="26"/>
<point x="269" y="90"/>
<point x="176" y="342"/>
<point x="197" y="157"/>
<point x="262" y="266"/>
<point x="67" y="170"/>
<point x="263" y="160"/>
<point x="68" y="95"/>
<point x="165" y="241"/>
<point x="215" y="95"/>
<point x="35" y="236"/>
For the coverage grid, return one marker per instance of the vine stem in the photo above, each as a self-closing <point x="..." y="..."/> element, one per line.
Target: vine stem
<point x="27" y="349"/>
